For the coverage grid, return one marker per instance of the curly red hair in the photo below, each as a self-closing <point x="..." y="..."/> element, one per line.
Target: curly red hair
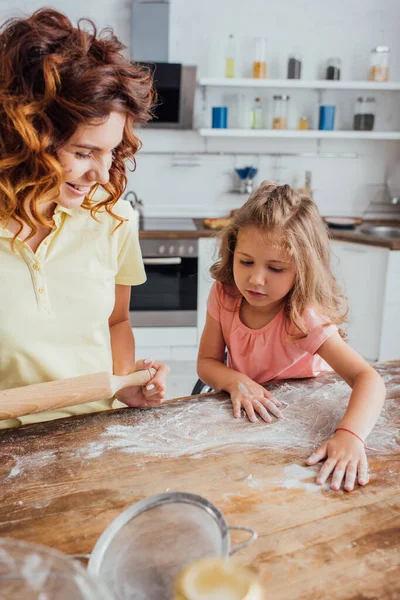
<point x="54" y="77"/>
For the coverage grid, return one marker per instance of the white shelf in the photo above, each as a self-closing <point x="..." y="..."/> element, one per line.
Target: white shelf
<point x="317" y="84"/>
<point x="295" y="133"/>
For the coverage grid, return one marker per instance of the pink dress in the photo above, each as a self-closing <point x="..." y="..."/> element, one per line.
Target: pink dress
<point x="268" y="353"/>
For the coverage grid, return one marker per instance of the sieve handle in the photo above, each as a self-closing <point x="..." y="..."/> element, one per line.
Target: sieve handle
<point x="252" y="538"/>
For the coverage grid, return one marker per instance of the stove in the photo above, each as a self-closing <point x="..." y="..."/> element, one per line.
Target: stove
<point x="168" y="224"/>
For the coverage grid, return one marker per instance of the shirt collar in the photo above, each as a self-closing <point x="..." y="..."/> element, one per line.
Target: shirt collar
<point x="4" y="232"/>
<point x="62" y="209"/>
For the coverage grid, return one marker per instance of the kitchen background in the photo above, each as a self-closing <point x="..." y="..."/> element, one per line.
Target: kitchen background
<point x="185" y="174"/>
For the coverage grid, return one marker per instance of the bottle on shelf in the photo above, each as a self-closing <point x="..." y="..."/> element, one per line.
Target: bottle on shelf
<point x="230" y="57"/>
<point x="307" y="189"/>
<point x="280" y="119"/>
<point x="379" y="69"/>
<point x="257" y="115"/>
<point x="294" y="66"/>
<point x="364" y="115"/>
<point x="333" y="69"/>
<point x="260" y="59"/>
<point x="307" y="184"/>
<point x="303" y="124"/>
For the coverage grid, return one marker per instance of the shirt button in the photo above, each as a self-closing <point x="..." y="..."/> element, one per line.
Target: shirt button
<point x="41" y="290"/>
<point x="36" y="266"/>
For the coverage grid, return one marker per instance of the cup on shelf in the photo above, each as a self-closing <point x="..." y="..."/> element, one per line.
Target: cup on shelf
<point x="219" y="117"/>
<point x="327" y="117"/>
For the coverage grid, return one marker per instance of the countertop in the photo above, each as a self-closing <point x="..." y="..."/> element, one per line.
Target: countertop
<point x="64" y="481"/>
<point x="344" y="235"/>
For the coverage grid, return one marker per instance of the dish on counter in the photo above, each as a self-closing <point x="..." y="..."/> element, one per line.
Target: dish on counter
<point x="216" y="223"/>
<point x="342" y="222"/>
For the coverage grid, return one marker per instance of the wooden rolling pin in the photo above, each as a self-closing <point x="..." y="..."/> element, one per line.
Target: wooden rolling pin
<point x="29" y="399"/>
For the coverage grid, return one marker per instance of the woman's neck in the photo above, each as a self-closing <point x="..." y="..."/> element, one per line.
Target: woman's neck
<point x="46" y="211"/>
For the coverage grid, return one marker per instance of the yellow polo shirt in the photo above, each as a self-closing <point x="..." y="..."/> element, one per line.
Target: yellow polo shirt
<point x="55" y="303"/>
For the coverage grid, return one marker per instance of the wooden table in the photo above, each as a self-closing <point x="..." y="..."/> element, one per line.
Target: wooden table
<point x="64" y="481"/>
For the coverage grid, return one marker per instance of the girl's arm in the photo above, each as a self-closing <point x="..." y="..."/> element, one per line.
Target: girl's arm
<point x="123" y="355"/>
<point x="244" y="392"/>
<point x="210" y="359"/>
<point x="344" y="451"/>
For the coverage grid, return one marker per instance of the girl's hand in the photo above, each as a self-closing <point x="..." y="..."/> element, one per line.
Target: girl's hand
<point x="151" y="394"/>
<point x="253" y="398"/>
<point x="345" y="458"/>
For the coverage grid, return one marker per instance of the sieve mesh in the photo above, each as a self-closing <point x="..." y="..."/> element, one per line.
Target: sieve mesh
<point x="142" y="558"/>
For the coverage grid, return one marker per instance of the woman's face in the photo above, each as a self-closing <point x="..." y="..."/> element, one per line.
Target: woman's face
<point x="86" y="158"/>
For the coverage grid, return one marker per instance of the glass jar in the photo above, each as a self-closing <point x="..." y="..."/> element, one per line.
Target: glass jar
<point x="260" y="59"/>
<point x="36" y="572"/>
<point x="333" y="67"/>
<point x="294" y="66"/>
<point x="257" y="115"/>
<point x="230" y="57"/>
<point x="303" y="123"/>
<point x="379" y="68"/>
<point x="364" y="115"/>
<point x="280" y="111"/>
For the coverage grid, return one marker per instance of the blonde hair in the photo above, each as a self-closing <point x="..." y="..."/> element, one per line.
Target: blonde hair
<point x="294" y="218"/>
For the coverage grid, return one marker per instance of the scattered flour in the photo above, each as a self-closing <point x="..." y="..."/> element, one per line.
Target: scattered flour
<point x="298" y="477"/>
<point x="313" y="408"/>
<point x="193" y="427"/>
<point x="32" y="461"/>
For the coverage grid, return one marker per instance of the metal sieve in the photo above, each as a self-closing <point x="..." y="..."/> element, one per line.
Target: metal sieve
<point x="142" y="551"/>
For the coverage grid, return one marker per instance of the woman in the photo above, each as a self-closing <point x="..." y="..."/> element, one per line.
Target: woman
<point x="69" y="249"/>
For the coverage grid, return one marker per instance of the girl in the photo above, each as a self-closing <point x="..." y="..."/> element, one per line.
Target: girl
<point x="276" y="307"/>
<point x="68" y="105"/>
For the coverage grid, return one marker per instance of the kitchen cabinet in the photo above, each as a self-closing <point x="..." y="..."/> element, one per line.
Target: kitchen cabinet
<point x="208" y="249"/>
<point x="370" y="278"/>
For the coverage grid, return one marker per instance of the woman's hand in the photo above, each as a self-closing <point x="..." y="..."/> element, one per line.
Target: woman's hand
<point x="345" y="459"/>
<point x="151" y="394"/>
<point x="253" y="398"/>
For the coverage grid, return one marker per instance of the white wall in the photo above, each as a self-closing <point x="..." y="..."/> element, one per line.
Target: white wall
<point x="320" y="29"/>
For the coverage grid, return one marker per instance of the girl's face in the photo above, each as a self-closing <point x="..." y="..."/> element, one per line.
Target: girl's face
<point x="86" y="158"/>
<point x="262" y="270"/>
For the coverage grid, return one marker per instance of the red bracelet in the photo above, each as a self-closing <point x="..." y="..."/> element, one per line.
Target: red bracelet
<point x="349" y="431"/>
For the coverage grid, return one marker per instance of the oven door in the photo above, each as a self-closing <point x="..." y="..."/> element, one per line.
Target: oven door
<point x="169" y="296"/>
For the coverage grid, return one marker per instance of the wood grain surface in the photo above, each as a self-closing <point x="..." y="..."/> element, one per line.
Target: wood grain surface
<point x="64" y="481"/>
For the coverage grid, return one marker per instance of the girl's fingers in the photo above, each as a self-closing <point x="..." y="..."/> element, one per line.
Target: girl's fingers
<point x="363" y="476"/>
<point x="338" y="474"/>
<point x="351" y="474"/>
<point x="326" y="470"/>
<point x="318" y="454"/>
<point x="271" y="397"/>
<point x="262" y="411"/>
<point x="237" y="408"/>
<point x="272" y="407"/>
<point x="248" y="407"/>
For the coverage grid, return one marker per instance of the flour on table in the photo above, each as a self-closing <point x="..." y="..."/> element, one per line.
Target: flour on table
<point x="297" y="477"/>
<point x="193" y="427"/>
<point x="33" y="461"/>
